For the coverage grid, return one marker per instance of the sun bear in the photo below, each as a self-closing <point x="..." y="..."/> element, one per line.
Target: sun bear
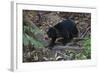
<point x="66" y="30"/>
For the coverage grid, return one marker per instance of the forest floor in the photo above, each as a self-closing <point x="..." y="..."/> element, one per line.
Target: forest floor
<point x="78" y="49"/>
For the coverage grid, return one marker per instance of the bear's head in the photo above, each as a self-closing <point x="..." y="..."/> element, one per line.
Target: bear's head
<point x="51" y="32"/>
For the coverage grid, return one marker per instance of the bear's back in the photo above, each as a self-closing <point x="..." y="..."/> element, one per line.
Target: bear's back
<point x="68" y="24"/>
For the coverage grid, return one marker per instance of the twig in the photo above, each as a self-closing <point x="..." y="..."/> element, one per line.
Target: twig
<point x="85" y="32"/>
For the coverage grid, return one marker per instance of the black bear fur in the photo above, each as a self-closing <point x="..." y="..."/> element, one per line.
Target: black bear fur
<point x="65" y="29"/>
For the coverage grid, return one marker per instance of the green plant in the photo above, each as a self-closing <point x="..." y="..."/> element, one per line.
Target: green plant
<point x="86" y="53"/>
<point x="33" y="36"/>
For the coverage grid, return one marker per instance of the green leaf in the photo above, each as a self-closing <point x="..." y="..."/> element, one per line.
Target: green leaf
<point x="25" y="40"/>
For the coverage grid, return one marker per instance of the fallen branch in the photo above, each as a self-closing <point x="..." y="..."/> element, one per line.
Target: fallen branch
<point x="68" y="47"/>
<point x="78" y="39"/>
